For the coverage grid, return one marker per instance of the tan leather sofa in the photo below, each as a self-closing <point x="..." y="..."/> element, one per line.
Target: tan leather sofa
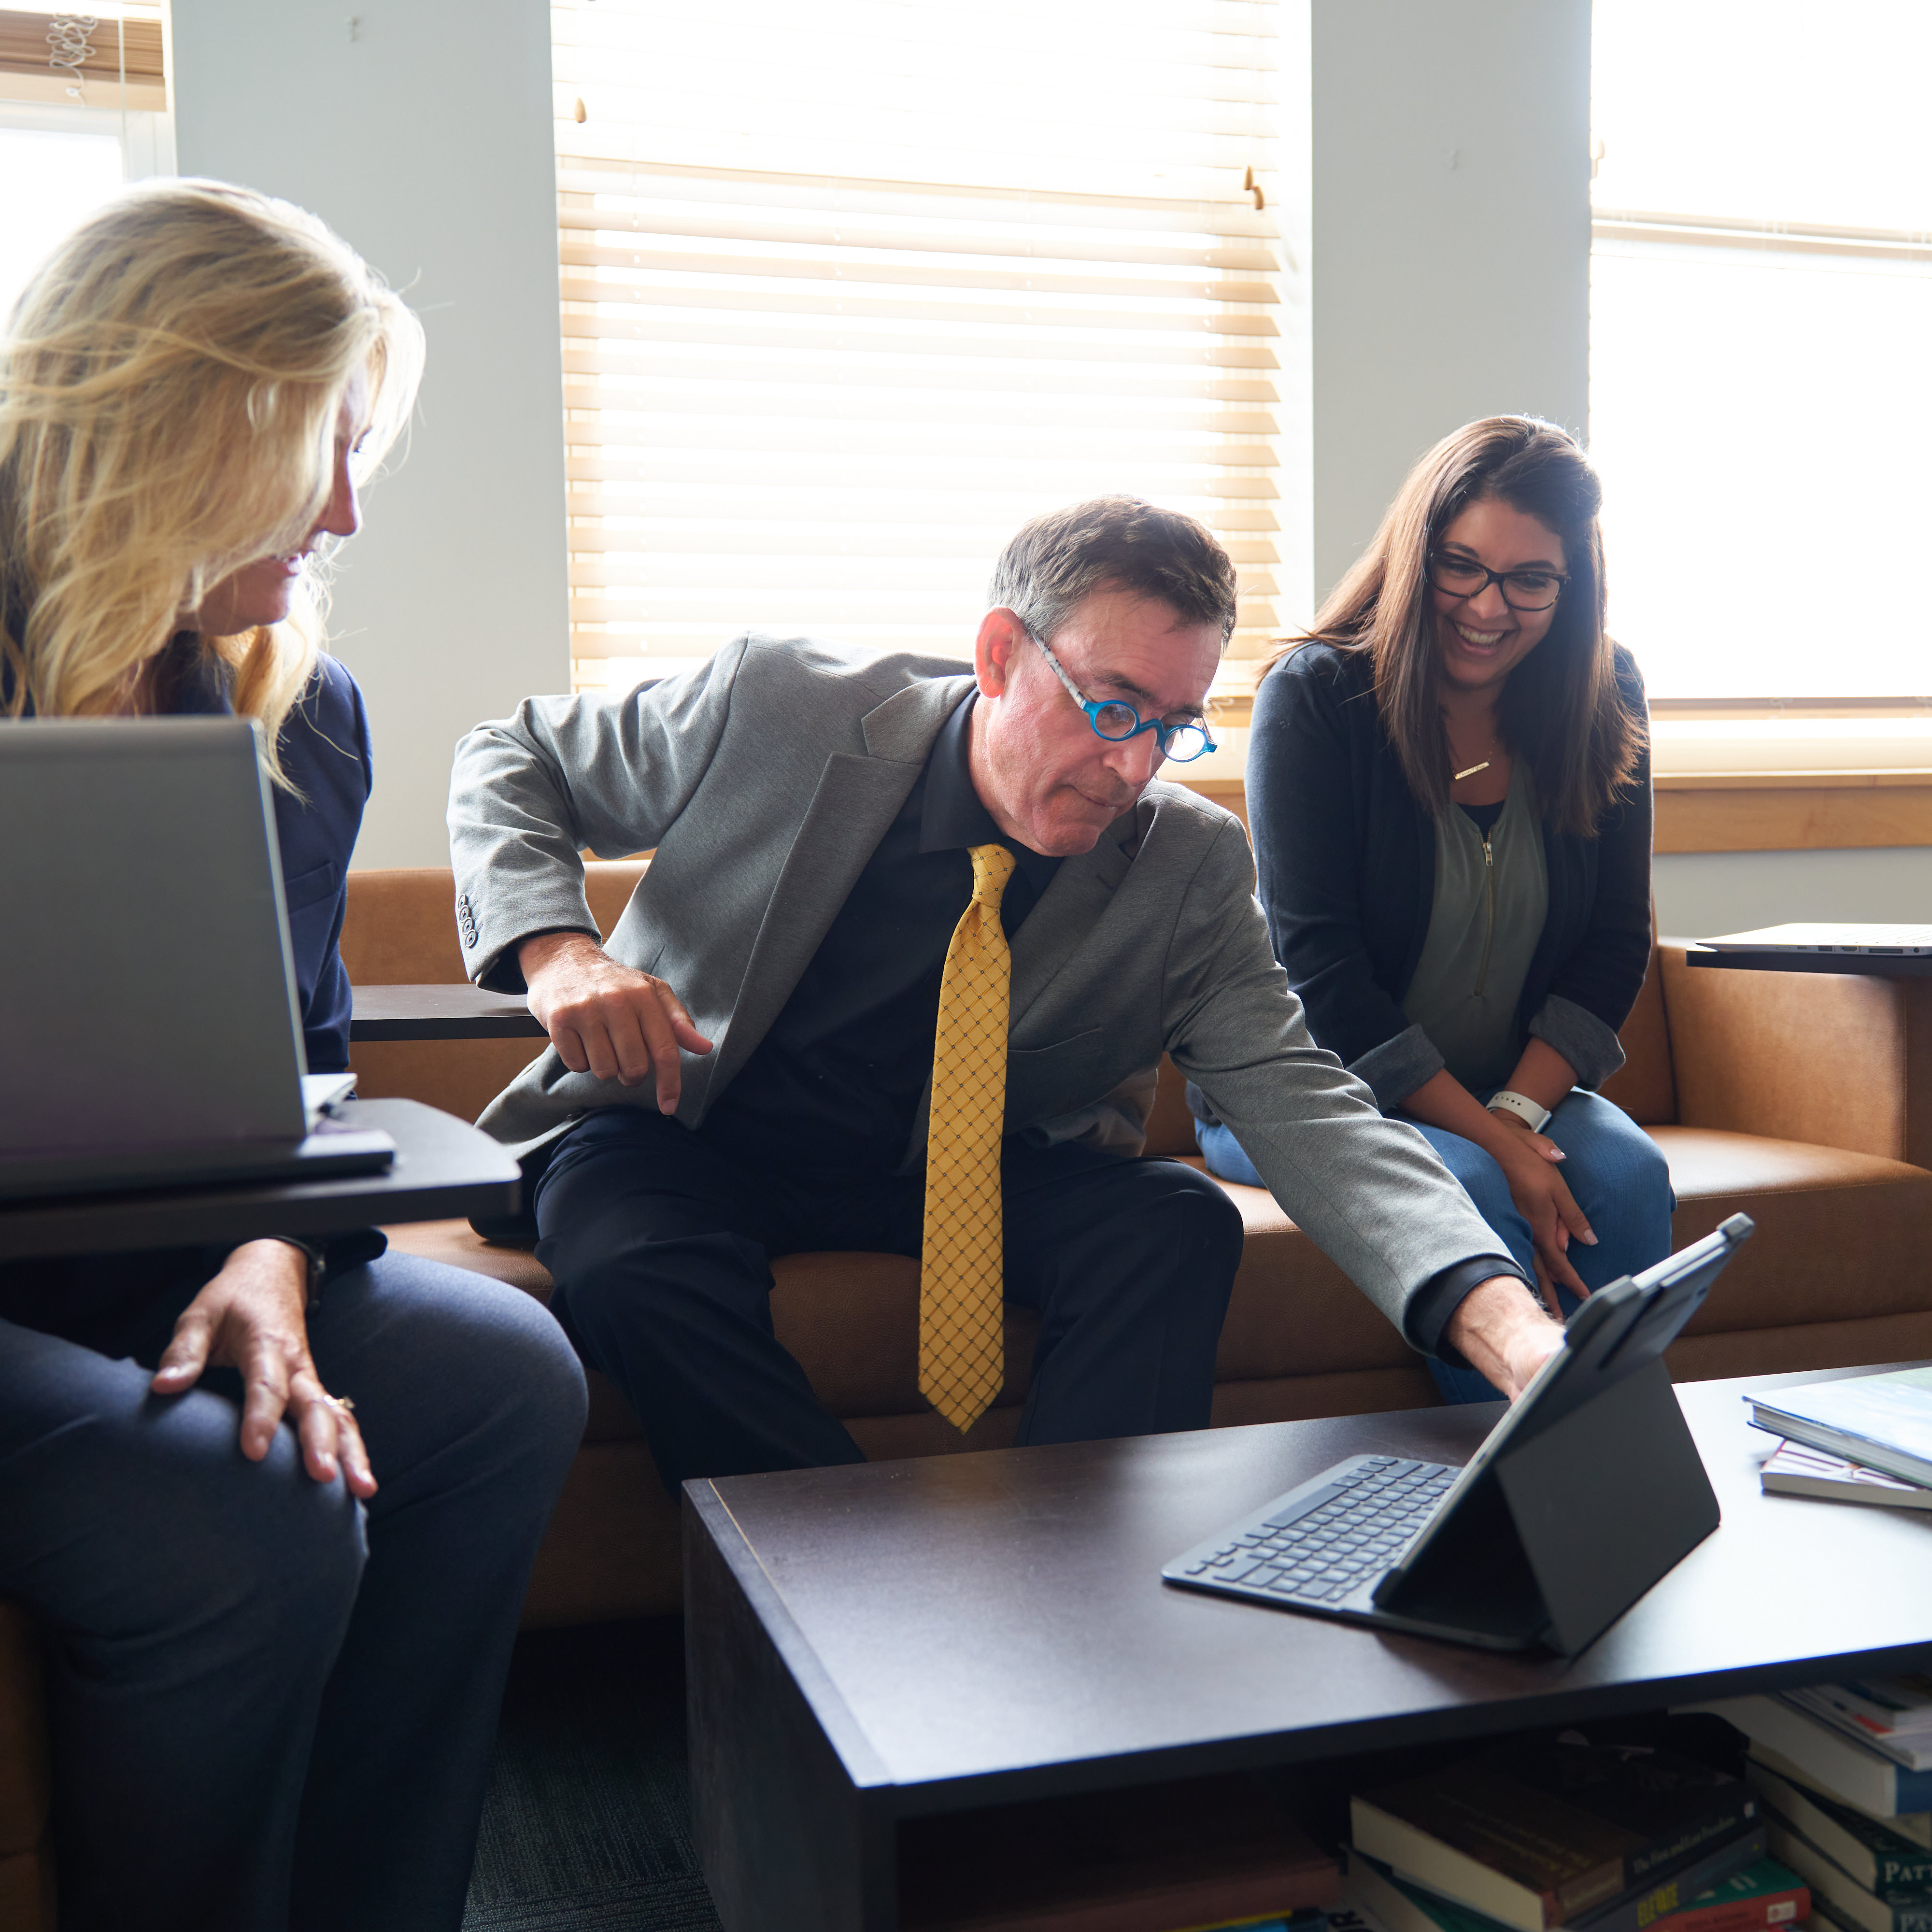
<point x="1804" y="1100"/>
<point x="1788" y="1096"/>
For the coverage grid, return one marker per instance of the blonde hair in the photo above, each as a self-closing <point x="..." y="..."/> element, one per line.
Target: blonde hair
<point x="170" y="383"/>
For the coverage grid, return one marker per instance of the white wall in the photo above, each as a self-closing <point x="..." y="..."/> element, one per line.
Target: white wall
<point x="1451" y="249"/>
<point x="421" y="130"/>
<point x="1700" y="894"/>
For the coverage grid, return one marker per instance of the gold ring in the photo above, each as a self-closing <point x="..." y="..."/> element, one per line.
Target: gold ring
<point x="342" y="1402"/>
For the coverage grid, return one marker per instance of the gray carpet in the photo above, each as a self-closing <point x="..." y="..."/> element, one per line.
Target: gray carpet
<point x="587" y="1826"/>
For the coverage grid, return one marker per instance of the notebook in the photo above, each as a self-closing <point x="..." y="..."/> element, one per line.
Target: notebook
<point x="149" y="1030"/>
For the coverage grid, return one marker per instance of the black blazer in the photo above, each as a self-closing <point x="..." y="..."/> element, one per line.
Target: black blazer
<point x="1346" y="863"/>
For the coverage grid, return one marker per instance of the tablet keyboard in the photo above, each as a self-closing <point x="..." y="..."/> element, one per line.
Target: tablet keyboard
<point x="1325" y="1543"/>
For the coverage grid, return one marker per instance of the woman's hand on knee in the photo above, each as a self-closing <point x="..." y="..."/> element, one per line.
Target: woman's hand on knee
<point x="250" y="1318"/>
<point x="1543" y="1199"/>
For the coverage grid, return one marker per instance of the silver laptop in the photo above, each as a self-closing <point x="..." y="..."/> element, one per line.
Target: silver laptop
<point x="1825" y="938"/>
<point x="149" y="1031"/>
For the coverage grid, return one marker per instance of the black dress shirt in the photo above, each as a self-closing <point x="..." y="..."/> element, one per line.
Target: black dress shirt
<point x="834" y="1087"/>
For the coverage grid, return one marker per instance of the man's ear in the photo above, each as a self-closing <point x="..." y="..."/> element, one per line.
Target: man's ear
<point x="1001" y="634"/>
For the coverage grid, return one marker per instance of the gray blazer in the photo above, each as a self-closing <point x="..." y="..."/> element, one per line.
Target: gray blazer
<point x="765" y="779"/>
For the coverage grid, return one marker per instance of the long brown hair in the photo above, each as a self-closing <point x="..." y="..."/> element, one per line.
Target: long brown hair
<point x="1562" y="709"/>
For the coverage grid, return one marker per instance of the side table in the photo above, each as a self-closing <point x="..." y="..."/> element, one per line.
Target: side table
<point x="443" y="1167"/>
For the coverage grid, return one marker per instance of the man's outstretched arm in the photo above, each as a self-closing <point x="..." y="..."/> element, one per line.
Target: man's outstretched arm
<point x="1369" y="1191"/>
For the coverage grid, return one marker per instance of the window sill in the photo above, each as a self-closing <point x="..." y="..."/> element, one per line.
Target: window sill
<point x="1748" y="811"/>
<point x="1792" y="811"/>
<point x="1805" y="775"/>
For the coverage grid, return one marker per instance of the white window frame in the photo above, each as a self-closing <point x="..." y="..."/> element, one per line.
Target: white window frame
<point x="1801" y="740"/>
<point x="147" y="135"/>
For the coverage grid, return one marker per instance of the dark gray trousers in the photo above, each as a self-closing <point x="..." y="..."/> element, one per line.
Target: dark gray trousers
<point x="660" y="1245"/>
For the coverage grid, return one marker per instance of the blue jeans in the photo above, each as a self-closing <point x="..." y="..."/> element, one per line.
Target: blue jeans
<point x="1615" y="1171"/>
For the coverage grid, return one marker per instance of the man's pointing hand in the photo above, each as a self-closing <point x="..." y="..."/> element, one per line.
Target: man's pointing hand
<point x="605" y="1019"/>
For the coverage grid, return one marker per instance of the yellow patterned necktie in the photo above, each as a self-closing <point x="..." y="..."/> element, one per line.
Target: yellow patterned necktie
<point x="962" y="1267"/>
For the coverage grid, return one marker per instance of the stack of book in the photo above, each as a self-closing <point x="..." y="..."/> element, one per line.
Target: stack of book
<point x="1539" y="1834"/>
<point x="1845" y="1771"/>
<point x="1858" y="1439"/>
<point x="1796" y="1469"/>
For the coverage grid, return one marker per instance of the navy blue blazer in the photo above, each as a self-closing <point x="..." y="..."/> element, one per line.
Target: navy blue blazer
<point x="1345" y="859"/>
<point x="325" y="754"/>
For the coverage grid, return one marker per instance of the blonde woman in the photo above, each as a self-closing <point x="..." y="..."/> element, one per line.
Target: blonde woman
<point x="275" y="1674"/>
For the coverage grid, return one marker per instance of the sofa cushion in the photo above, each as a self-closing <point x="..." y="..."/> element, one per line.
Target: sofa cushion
<point x="1840" y="1235"/>
<point x="1293" y="1311"/>
<point x="852" y="1320"/>
<point x="1645" y="1085"/>
<point x="458" y="1244"/>
<point x="399" y="928"/>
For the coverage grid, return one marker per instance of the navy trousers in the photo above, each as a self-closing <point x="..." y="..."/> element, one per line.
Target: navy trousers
<point x="273" y="1705"/>
<point x="660" y="1244"/>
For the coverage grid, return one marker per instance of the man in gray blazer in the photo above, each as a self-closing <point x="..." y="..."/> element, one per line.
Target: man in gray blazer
<point x="745" y="1069"/>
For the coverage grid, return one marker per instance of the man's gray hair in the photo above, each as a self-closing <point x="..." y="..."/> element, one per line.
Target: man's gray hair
<point x="1113" y="543"/>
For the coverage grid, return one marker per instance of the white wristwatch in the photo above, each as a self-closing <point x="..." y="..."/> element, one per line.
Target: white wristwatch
<point x="1534" y="1117"/>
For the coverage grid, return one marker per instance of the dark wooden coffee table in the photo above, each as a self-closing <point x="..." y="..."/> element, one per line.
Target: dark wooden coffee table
<point x="868" y="1646"/>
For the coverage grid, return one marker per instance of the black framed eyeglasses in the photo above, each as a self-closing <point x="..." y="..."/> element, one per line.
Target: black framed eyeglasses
<point x="1116" y="721"/>
<point x="1456" y="576"/>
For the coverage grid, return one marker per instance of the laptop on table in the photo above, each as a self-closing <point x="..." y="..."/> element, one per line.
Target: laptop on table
<point x="1906" y="941"/>
<point x="150" y="1032"/>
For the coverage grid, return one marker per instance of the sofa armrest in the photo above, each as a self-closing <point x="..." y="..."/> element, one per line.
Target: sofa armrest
<point x="1837" y="1059"/>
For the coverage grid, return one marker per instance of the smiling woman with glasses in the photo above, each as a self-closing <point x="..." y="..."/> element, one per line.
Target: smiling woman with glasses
<point x="1449" y="790"/>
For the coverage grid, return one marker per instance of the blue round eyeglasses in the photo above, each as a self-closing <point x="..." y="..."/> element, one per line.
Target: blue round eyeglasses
<point x="1116" y="721"/>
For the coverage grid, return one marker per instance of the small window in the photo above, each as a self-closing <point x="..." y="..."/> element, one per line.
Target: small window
<point x="1761" y="343"/>
<point x="83" y="106"/>
<point x="850" y="292"/>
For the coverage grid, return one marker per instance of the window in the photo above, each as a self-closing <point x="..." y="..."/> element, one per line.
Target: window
<point x="83" y="110"/>
<point x="1761" y="350"/>
<point x="850" y="293"/>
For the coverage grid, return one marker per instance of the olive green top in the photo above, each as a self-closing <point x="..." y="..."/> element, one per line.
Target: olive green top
<point x="1491" y="896"/>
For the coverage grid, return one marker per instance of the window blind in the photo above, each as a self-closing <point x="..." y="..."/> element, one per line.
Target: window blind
<point x="850" y="293"/>
<point x="110" y="58"/>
